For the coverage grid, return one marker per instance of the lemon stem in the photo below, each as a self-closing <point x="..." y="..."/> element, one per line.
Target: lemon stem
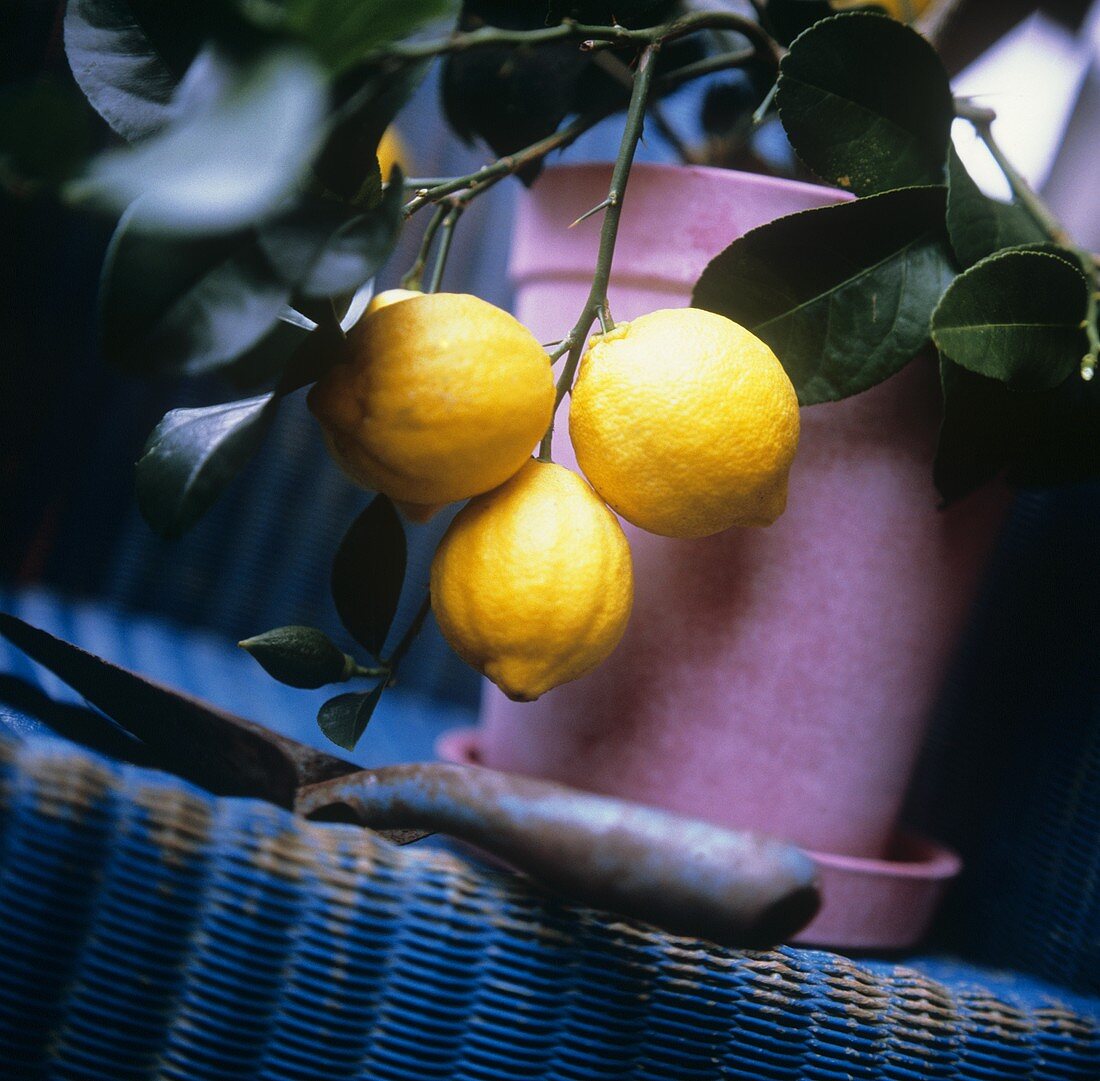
<point x="981" y="119"/>
<point x="596" y="306"/>
<point x="391" y="662"/>
<point x="446" y="235"/>
<point x="414" y="277"/>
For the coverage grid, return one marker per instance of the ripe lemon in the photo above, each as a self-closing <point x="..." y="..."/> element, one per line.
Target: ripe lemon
<point x="685" y="423"/>
<point x="532" y="583"/>
<point x="391" y="151"/>
<point x="388" y="297"/>
<point x="902" y="10"/>
<point x="439" y="397"/>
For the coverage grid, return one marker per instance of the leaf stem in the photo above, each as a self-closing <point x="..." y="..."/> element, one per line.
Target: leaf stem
<point x="394" y="659"/>
<point x="596" y="305"/>
<point x="982" y="121"/>
<point x="446" y="235"/>
<point x="414" y="276"/>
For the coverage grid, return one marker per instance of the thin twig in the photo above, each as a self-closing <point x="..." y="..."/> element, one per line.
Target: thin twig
<point x="413" y="278"/>
<point x="596" y="304"/>
<point x="446" y="235"/>
<point x="394" y="659"/>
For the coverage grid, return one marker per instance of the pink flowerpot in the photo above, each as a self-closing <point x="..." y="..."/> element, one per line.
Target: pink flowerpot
<point x="776" y="679"/>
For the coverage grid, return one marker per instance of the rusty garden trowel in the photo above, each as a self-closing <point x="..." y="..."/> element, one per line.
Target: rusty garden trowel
<point x="679" y="874"/>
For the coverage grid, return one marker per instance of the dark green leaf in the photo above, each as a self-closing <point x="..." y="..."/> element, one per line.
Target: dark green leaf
<point x="978" y="225"/>
<point x="368" y="572"/>
<point x="343" y="31"/>
<point x="185" y="304"/>
<point x="1059" y="434"/>
<point x="44" y="133"/>
<point x="344" y="719"/>
<point x="843" y="294"/>
<point x="977" y="433"/>
<point x="866" y="104"/>
<point x="270" y="357"/>
<point x="192" y="455"/>
<point x="221" y="167"/>
<point x="128" y="55"/>
<point x="1016" y="316"/>
<point x="348" y="164"/>
<point x="299" y="656"/>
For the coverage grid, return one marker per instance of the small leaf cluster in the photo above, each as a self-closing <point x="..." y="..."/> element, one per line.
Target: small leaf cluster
<point x="848" y="294"/>
<point x="367" y="577"/>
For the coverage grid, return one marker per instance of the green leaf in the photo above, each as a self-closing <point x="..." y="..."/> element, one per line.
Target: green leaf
<point x="978" y="225"/>
<point x="341" y="32"/>
<point x="344" y="719"/>
<point x="327" y="249"/>
<point x="977" y="433"/>
<point x="185" y="304"/>
<point x="128" y="55"/>
<point x="866" y="103"/>
<point x="1015" y="316"/>
<point x="223" y="166"/>
<point x="368" y="572"/>
<point x="299" y="656"/>
<point x="44" y="133"/>
<point x="843" y="294"/>
<point x="192" y="455"/>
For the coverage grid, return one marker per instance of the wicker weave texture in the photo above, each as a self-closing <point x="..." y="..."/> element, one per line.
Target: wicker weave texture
<point x="148" y="930"/>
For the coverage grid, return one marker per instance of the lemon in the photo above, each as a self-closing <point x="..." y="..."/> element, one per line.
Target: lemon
<point x="532" y="583"/>
<point x="902" y="10"/>
<point x="685" y="423"/>
<point x="439" y="397"/>
<point x="388" y="297"/>
<point x="391" y="151"/>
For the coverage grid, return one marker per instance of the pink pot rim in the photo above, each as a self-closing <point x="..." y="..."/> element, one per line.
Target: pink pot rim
<point x="883" y="904"/>
<point x="731" y="176"/>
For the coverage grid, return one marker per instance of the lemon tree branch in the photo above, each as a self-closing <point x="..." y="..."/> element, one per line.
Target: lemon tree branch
<point x="596" y="306"/>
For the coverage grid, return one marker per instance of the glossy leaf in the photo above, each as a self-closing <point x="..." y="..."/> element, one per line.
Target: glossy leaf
<point x="844" y="294"/>
<point x="978" y="225"/>
<point x="192" y="455"/>
<point x="866" y="104"/>
<point x="325" y="249"/>
<point x="1016" y="316"/>
<point x="344" y="719"/>
<point x="128" y="55"/>
<point x="368" y="572"/>
<point x="298" y="656"/>
<point x="343" y="31"/>
<point x="977" y="433"/>
<point x="185" y="304"/>
<point x="221" y="167"/>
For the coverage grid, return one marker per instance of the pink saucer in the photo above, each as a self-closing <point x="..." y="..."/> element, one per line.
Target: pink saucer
<point x="867" y="904"/>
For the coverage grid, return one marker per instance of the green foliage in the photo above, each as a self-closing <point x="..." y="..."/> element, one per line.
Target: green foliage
<point x="368" y="572"/>
<point x="344" y="719"/>
<point x="192" y="455"/>
<point x="866" y="104"/>
<point x="225" y="163"/>
<point x="299" y="656"/>
<point x="843" y="294"/>
<point x="979" y="226"/>
<point x="1016" y="316"/>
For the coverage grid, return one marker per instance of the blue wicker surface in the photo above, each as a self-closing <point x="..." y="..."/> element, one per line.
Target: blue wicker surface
<point x="150" y="930"/>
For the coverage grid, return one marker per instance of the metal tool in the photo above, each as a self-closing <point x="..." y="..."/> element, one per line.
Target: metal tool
<point x="679" y="874"/>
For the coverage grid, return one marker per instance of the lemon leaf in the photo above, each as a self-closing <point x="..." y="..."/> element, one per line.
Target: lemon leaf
<point x="344" y="719"/>
<point x="978" y="225"/>
<point x="368" y="572"/>
<point x="844" y="294"/>
<point x="866" y="103"/>
<point x="1016" y="316"/>
<point x="192" y="455"/>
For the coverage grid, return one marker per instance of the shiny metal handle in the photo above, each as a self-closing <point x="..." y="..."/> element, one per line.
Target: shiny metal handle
<point x="679" y="874"/>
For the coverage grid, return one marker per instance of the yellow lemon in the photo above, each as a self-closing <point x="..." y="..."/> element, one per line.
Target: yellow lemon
<point x="532" y="583"/>
<point x="391" y="151"/>
<point x="685" y="423"/>
<point x="902" y="10"/>
<point x="388" y="297"/>
<point x="439" y="397"/>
